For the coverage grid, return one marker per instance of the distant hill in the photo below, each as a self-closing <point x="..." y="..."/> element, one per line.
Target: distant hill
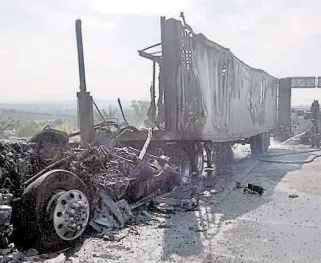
<point x="56" y="106"/>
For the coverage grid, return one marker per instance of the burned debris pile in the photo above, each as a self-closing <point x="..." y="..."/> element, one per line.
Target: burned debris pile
<point x="118" y="179"/>
<point x="18" y="161"/>
<point x="117" y="171"/>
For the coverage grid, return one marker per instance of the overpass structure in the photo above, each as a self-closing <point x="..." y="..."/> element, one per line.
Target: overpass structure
<point x="284" y="95"/>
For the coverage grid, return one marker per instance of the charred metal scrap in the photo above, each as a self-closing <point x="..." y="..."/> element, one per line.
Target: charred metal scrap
<point x="120" y="173"/>
<point x="50" y="186"/>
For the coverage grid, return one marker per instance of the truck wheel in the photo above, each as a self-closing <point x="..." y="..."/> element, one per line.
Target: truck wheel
<point x="208" y="149"/>
<point x="184" y="167"/>
<point x="54" y="211"/>
<point x="267" y="141"/>
<point x="260" y="143"/>
<point x="181" y="159"/>
<point x="256" y="143"/>
<point x="198" y="158"/>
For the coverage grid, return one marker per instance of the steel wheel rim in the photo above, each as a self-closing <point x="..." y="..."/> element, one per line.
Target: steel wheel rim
<point x="70" y="214"/>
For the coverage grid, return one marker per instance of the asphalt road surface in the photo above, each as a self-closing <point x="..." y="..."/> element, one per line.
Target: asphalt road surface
<point x="282" y="225"/>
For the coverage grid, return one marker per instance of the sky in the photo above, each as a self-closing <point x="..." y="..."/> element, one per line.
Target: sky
<point x="38" y="55"/>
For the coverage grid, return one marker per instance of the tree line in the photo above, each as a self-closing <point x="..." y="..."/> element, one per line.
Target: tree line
<point x="136" y="114"/>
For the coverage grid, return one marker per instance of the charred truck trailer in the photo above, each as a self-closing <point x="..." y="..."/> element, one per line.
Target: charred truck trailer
<point x="207" y="99"/>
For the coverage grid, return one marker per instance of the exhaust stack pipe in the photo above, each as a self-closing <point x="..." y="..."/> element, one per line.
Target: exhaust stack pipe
<point x="84" y="100"/>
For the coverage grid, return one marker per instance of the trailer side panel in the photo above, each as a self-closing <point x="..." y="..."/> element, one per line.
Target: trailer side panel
<point x="220" y="97"/>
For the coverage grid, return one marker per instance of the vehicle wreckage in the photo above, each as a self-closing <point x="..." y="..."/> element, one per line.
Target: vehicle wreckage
<point x="52" y="187"/>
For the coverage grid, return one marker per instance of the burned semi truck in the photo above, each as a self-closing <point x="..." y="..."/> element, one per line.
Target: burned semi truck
<point x="207" y="99"/>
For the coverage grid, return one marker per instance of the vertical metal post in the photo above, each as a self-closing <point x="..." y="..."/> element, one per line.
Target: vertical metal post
<point x="85" y="101"/>
<point x="277" y="102"/>
<point x="154" y="79"/>
<point x="171" y="41"/>
<point x="153" y="95"/>
<point x="81" y="62"/>
<point x="284" y="102"/>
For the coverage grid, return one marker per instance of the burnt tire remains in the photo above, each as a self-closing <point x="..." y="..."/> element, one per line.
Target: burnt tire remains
<point x="181" y="158"/>
<point x="260" y="143"/>
<point x="197" y="154"/>
<point x="53" y="212"/>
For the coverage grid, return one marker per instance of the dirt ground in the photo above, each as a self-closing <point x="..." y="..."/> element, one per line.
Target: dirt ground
<point x="282" y="225"/>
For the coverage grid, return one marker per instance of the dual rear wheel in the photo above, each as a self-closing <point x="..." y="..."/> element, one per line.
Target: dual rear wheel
<point x="189" y="159"/>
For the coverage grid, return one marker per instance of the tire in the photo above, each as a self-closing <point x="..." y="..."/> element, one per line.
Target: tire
<point x="260" y="143"/>
<point x="208" y="149"/>
<point x="198" y="158"/>
<point x="257" y="144"/>
<point x="185" y="169"/>
<point x="267" y="141"/>
<point x="34" y="223"/>
<point x="179" y="155"/>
